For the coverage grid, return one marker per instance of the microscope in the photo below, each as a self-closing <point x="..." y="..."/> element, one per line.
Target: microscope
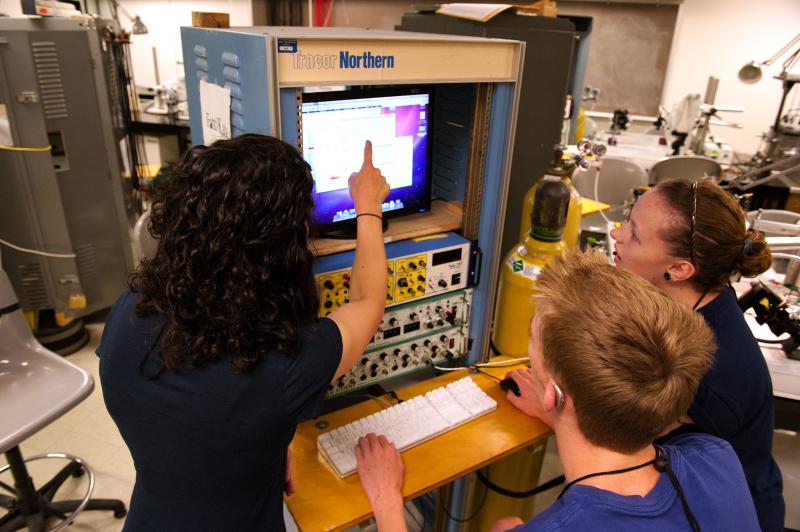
<point x="774" y="310"/>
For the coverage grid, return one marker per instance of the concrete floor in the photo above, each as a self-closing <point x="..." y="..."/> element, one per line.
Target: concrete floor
<point x="88" y="432"/>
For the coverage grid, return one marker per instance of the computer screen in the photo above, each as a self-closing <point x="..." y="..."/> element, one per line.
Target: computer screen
<point x="335" y="126"/>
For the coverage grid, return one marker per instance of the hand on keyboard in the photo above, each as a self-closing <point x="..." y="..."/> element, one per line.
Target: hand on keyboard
<point x="380" y="469"/>
<point x="409" y="423"/>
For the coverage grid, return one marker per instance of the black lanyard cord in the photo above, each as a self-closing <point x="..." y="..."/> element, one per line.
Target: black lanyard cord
<point x="661" y="464"/>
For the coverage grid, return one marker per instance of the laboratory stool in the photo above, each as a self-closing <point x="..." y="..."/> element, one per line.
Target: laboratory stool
<point x="36" y="388"/>
<point x="691" y="167"/>
<point x="618" y="178"/>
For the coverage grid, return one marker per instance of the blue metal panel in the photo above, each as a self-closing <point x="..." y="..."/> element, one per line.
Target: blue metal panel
<point x="453" y="105"/>
<point x="340" y="261"/>
<point x="489" y="235"/>
<point x="234" y="60"/>
<point x="288" y="105"/>
<point x="490" y="230"/>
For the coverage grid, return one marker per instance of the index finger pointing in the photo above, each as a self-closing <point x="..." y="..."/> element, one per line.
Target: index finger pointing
<point x="367" y="154"/>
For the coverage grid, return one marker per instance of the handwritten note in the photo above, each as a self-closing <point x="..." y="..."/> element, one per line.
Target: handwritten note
<point x="215" y="109"/>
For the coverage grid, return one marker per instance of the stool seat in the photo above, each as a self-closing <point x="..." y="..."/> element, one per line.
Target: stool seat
<point x="37" y="387"/>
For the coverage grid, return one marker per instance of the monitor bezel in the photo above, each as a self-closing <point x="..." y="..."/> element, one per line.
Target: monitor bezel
<point x="360" y="93"/>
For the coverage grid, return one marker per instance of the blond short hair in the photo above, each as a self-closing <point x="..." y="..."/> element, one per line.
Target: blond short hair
<point x="629" y="356"/>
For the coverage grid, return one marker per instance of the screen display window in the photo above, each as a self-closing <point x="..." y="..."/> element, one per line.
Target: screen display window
<point x="334" y="130"/>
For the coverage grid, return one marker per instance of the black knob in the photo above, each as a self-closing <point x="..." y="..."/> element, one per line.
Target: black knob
<point x="414" y="347"/>
<point x="412" y="265"/>
<point x="440" y="322"/>
<point x="397" y="351"/>
<point x="412" y="316"/>
<point x="328" y="304"/>
<point x="383" y="356"/>
<point x="364" y="361"/>
<point x="394" y="367"/>
<point x="346" y="284"/>
<point x="422" y="262"/>
<point x="429" y="324"/>
<point x="373" y="367"/>
<point x="442" y="283"/>
<point x="328" y="284"/>
<point x="363" y="377"/>
<point x="434" y="350"/>
<point x="421" y="288"/>
<point x="421" y="278"/>
<point x="443" y="338"/>
<point x="438" y="310"/>
<point x="402" y="282"/>
<point x="393" y="322"/>
<point x="406" y="357"/>
<point x="426" y="343"/>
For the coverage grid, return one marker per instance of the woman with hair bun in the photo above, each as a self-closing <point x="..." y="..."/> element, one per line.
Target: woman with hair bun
<point x="215" y="353"/>
<point x="690" y="239"/>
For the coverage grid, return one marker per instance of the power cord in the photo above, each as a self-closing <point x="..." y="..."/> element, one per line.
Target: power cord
<point x="550" y="484"/>
<point x="37" y="252"/>
<point x="19" y="148"/>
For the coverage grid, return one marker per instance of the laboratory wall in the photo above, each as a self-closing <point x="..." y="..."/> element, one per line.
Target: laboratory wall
<point x="163" y="19"/>
<point x="717" y="37"/>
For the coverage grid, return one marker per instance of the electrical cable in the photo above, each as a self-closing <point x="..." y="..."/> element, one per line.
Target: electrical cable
<point x="499" y="364"/>
<point x="20" y="148"/>
<point x="37" y="252"/>
<point x="474" y="515"/>
<point x="498" y="379"/>
<point x="597" y="195"/>
<point x="550" y="484"/>
<point x="762" y="341"/>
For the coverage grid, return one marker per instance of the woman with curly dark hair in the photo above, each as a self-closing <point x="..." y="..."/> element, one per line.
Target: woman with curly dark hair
<point x="216" y="352"/>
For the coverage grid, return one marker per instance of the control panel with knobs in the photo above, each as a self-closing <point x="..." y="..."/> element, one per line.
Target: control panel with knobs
<point x="423" y="317"/>
<point x="417" y="269"/>
<point x="398" y="359"/>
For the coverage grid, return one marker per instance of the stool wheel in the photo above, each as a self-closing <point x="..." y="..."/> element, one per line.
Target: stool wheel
<point x="119" y="514"/>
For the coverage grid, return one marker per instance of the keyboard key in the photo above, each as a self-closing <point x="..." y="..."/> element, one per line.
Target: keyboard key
<point x="408" y="423"/>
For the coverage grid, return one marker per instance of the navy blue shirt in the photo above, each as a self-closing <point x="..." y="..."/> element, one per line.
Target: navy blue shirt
<point x="209" y="444"/>
<point x="711" y="478"/>
<point x="734" y="402"/>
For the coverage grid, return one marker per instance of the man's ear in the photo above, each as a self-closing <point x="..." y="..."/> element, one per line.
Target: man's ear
<point x="681" y="270"/>
<point x="550" y="400"/>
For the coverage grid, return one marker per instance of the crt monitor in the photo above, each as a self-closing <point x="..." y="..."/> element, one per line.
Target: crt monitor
<point x="335" y="126"/>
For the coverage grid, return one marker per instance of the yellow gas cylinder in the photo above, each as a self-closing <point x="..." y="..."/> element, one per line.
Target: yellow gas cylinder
<point x="522" y="266"/>
<point x="563" y="169"/>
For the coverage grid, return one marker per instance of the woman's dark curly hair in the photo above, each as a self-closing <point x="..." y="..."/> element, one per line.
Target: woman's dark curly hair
<point x="232" y="273"/>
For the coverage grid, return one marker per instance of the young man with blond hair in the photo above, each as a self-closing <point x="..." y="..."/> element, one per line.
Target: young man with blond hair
<point x="614" y="361"/>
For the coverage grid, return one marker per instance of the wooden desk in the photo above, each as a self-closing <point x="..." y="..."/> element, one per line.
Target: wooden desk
<point x="326" y="502"/>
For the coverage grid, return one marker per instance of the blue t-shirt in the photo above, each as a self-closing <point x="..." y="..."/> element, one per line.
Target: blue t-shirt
<point x="734" y="402"/>
<point x="209" y="444"/>
<point x="708" y="472"/>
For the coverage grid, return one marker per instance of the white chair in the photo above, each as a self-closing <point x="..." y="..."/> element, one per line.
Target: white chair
<point x="37" y="387"/>
<point x="618" y="178"/>
<point x="692" y="167"/>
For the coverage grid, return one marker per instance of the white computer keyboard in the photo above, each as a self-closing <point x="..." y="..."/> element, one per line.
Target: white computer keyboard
<point x="406" y="424"/>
